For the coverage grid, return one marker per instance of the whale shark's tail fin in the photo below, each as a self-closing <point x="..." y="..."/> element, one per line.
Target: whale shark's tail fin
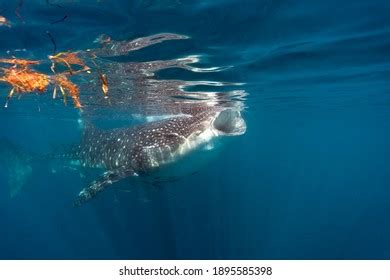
<point x="102" y="183"/>
<point x="17" y="165"/>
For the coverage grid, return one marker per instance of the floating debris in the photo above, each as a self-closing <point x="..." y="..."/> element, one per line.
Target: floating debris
<point x="4" y="22"/>
<point x="67" y="86"/>
<point x="17" y="10"/>
<point x="24" y="80"/>
<point x="68" y="59"/>
<point x="24" y="63"/>
<point x="60" y="20"/>
<point x="52" y="41"/>
<point x="103" y="79"/>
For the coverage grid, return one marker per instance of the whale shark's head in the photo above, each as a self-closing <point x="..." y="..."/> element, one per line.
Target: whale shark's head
<point x="230" y="123"/>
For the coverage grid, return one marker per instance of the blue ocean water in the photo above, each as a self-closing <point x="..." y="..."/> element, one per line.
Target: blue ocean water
<point x="308" y="180"/>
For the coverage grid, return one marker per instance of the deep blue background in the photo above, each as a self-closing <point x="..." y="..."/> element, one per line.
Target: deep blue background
<point x="309" y="179"/>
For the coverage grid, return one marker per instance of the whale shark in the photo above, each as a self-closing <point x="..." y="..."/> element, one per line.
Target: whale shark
<point x="129" y="152"/>
<point x="139" y="150"/>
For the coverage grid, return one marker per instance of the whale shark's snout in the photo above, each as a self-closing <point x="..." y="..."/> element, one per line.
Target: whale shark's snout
<point x="229" y="122"/>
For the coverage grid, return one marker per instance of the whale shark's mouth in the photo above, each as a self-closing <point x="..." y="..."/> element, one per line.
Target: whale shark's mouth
<point x="229" y="122"/>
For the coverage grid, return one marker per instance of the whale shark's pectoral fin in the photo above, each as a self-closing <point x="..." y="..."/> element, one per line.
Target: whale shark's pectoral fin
<point x="102" y="183"/>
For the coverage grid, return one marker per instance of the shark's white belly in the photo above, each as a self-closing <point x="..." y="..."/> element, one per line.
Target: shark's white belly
<point x="165" y="155"/>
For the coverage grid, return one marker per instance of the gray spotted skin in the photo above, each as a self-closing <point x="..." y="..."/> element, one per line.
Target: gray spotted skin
<point x="131" y="151"/>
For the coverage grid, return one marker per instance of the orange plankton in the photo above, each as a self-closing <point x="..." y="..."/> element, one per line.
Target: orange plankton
<point x="67" y="59"/>
<point x="67" y="86"/>
<point x="24" y="63"/>
<point x="102" y="77"/>
<point x="4" y="21"/>
<point x="24" y="80"/>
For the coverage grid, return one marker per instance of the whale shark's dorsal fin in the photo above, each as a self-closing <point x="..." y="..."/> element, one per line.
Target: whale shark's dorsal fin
<point x="102" y="183"/>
